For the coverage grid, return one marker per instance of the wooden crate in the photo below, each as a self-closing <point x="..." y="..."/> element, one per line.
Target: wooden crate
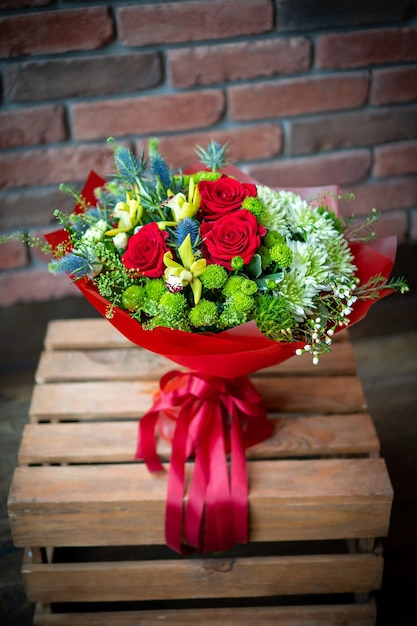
<point x="92" y="520"/>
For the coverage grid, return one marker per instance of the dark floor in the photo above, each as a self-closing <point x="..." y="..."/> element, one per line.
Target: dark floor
<point x="385" y="345"/>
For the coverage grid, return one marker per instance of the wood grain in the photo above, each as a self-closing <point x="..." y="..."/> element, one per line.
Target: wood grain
<point x="128" y="400"/>
<point x="115" y="442"/>
<point x="203" y="578"/>
<point x="136" y="364"/>
<point x="289" y="500"/>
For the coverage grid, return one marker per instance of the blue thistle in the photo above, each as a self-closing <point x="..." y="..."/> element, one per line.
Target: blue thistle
<point x="159" y="169"/>
<point x="158" y="166"/>
<point x="185" y="227"/>
<point x="129" y="168"/>
<point x="77" y="264"/>
<point x="214" y="157"/>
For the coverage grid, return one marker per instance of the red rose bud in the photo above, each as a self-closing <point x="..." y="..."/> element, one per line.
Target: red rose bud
<point x="145" y="251"/>
<point x="220" y="197"/>
<point x="235" y="235"/>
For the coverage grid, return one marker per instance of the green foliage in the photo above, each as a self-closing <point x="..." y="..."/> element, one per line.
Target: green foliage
<point x="273" y="317"/>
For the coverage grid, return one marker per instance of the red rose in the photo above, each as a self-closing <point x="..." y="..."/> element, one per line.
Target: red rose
<point x="145" y="251"/>
<point x="236" y="234"/>
<point x="223" y="195"/>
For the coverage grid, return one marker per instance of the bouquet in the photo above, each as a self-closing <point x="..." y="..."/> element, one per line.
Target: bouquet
<point x="223" y="276"/>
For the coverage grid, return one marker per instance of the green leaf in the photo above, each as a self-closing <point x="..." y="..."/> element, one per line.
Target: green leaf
<point x="275" y="278"/>
<point x="254" y="268"/>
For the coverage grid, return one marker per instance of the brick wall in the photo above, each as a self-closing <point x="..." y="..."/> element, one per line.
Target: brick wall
<point x="306" y="93"/>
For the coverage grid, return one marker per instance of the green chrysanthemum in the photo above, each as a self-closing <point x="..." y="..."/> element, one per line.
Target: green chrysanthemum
<point x="272" y="238"/>
<point x="281" y="255"/>
<point x="214" y="277"/>
<point x="254" y="205"/>
<point x="204" y="314"/>
<point x="170" y="312"/>
<point x="155" y="289"/>
<point x="233" y="285"/>
<point x="263" y="252"/>
<point x="133" y="297"/>
<point x="249" y="287"/>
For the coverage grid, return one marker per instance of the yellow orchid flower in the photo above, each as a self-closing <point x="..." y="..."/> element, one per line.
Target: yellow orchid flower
<point x="129" y="214"/>
<point x="181" y="206"/>
<point x="179" y="276"/>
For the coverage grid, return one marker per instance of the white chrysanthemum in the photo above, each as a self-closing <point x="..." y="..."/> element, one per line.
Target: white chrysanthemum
<point x="340" y="258"/>
<point x="311" y="257"/>
<point x="304" y="219"/>
<point x="298" y="289"/>
<point x="277" y="205"/>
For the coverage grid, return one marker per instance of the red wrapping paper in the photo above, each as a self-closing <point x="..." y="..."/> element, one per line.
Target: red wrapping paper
<point x="209" y="425"/>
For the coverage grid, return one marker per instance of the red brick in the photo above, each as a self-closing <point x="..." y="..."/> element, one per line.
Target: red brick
<point x="31" y="126"/>
<point x="396" y="158"/>
<point x="351" y="129"/>
<point x="172" y="22"/>
<point x="54" y="165"/>
<point x="146" y="115"/>
<point x="339" y="168"/>
<point x="297" y="95"/>
<point x="393" y="85"/>
<point x="55" y="31"/>
<point x="32" y="208"/>
<point x="247" y="143"/>
<point x="13" y="253"/>
<point x="384" y="195"/>
<point x="81" y="76"/>
<point x="34" y="285"/>
<point x="366" y="47"/>
<point x="204" y="65"/>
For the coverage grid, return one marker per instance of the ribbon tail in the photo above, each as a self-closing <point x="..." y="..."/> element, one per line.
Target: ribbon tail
<point x="239" y="481"/>
<point x="197" y="492"/>
<point x="146" y="447"/>
<point x="219" y="523"/>
<point x="176" y="484"/>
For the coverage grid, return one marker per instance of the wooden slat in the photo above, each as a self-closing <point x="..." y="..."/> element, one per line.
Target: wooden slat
<point x="289" y="500"/>
<point x="202" y="578"/>
<point x="115" y="442"/>
<point x="95" y="334"/>
<point x="330" y="615"/>
<point x="107" y="400"/>
<point x="137" y="364"/>
<point x="83" y="334"/>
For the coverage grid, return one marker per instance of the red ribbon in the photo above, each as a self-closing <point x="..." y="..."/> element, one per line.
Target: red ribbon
<point x="209" y="417"/>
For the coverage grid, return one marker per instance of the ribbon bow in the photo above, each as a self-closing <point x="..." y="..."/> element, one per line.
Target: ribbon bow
<point x="209" y="417"/>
